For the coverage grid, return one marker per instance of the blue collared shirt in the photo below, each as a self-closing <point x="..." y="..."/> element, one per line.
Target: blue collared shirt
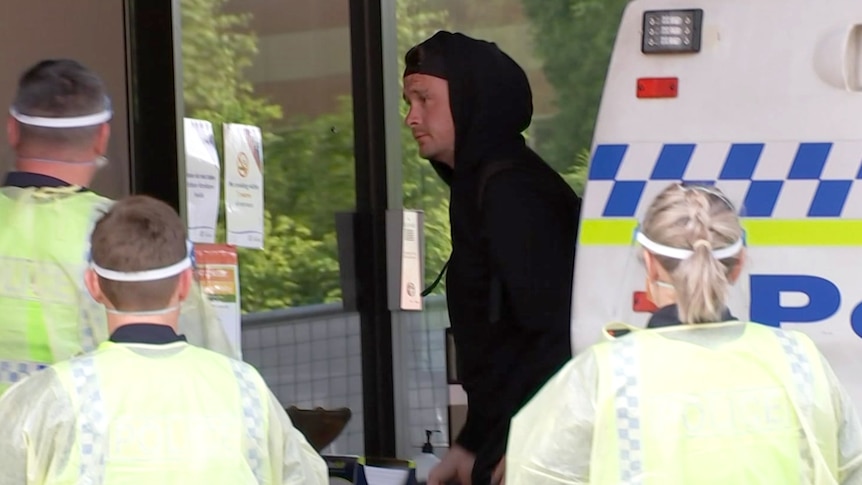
<point x="30" y="179"/>
<point x="146" y="333"/>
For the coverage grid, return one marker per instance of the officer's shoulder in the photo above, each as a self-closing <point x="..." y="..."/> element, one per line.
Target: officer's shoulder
<point x="800" y="337"/>
<point x="236" y="364"/>
<point x="30" y="388"/>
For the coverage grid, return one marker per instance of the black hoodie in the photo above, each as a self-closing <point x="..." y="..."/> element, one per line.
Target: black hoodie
<point x="521" y="235"/>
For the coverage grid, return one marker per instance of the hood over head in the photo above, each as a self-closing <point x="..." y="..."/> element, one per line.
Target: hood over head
<point x="489" y="96"/>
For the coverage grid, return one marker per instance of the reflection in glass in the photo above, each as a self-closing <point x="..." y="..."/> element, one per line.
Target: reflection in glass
<point x="283" y="66"/>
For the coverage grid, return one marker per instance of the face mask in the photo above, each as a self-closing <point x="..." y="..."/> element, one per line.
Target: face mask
<point x="649" y="289"/>
<point x="100" y="162"/>
<point x="144" y="313"/>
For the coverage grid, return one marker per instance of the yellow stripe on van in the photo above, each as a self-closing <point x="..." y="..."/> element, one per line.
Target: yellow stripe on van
<point x="759" y="232"/>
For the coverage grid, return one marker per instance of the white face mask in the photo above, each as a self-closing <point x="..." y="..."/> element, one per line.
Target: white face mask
<point x="144" y="313"/>
<point x="664" y="284"/>
<point x="100" y="162"/>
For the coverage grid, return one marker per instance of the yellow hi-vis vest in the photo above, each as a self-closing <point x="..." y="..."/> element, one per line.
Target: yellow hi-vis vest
<point x="46" y="314"/>
<point x="166" y="414"/>
<point x="754" y="408"/>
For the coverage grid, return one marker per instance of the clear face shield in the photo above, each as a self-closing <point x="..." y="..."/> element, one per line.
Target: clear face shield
<point x="83" y="121"/>
<point x="638" y="296"/>
<point x="147" y="275"/>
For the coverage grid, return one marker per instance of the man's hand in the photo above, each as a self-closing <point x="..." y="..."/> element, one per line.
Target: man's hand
<point x="456" y="467"/>
<point x="499" y="475"/>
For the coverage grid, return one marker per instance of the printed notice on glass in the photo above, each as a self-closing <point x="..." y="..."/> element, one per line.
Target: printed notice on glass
<point x="217" y="270"/>
<point x="203" y="182"/>
<point x="243" y="185"/>
<point x="411" y="267"/>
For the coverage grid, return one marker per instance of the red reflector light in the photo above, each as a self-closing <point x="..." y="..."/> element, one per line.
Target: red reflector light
<point x="641" y="304"/>
<point x="657" y="87"/>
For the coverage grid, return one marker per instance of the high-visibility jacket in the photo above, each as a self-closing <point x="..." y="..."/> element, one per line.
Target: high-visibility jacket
<point x="145" y="414"/>
<point x="46" y="313"/>
<point x="705" y="404"/>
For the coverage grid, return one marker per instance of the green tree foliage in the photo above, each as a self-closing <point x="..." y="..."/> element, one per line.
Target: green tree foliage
<point x="423" y="189"/>
<point x="216" y="47"/>
<point x="574" y="38"/>
<point x="309" y="164"/>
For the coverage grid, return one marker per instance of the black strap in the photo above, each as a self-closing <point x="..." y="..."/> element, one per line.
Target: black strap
<point x="495" y="298"/>
<point x="427" y="291"/>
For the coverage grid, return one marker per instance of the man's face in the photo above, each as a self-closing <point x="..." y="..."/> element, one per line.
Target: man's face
<point x="430" y="118"/>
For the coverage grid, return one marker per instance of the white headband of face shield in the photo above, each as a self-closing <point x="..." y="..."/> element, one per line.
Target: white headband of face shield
<point x="71" y="122"/>
<point x="679" y="253"/>
<point x="150" y="274"/>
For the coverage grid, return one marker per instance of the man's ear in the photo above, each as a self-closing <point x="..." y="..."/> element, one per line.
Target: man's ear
<point x="91" y="281"/>
<point x="13" y="132"/>
<point x="102" y="139"/>
<point x="734" y="273"/>
<point x="184" y="286"/>
<point x="651" y="266"/>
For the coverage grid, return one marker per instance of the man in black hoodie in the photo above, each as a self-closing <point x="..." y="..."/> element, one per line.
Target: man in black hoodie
<point x="514" y="226"/>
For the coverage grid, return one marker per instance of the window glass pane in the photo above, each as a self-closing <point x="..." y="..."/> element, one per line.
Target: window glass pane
<point x="285" y="66"/>
<point x="89" y="31"/>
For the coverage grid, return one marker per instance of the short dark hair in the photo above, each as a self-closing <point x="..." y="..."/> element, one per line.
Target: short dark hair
<point x="139" y="233"/>
<point x="59" y="88"/>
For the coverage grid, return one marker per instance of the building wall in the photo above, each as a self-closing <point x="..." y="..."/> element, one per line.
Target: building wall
<point x="304" y="48"/>
<point x="90" y="31"/>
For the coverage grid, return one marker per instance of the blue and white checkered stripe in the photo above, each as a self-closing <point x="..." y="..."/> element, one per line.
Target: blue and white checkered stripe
<point x="12" y="371"/>
<point x="803" y="380"/>
<point x="252" y="416"/>
<point x="777" y="179"/>
<point x="92" y="421"/>
<point x="627" y="403"/>
<point x="89" y="317"/>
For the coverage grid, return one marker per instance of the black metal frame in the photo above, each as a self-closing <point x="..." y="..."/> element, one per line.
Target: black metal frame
<point x="366" y="43"/>
<point x="155" y="113"/>
<point x="153" y="104"/>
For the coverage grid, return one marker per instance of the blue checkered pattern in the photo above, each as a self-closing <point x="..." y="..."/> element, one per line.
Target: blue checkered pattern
<point x="800" y="368"/>
<point x="12" y="371"/>
<point x="252" y="416"/>
<point x="92" y="421"/>
<point x="88" y="340"/>
<point x="632" y="173"/>
<point x="627" y="403"/>
<point x="93" y="326"/>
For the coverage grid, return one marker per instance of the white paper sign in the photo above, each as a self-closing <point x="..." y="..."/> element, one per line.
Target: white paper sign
<point x="203" y="175"/>
<point x="411" y="268"/>
<point x="243" y="153"/>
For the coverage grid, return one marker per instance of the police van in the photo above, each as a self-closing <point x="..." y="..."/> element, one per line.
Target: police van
<point x="761" y="98"/>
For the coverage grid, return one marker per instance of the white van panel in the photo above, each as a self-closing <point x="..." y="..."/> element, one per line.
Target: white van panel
<point x="770" y="110"/>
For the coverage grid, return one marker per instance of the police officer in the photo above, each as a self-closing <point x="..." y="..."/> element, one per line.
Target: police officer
<point x="704" y="398"/>
<point x="58" y="126"/>
<point x="148" y="407"/>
